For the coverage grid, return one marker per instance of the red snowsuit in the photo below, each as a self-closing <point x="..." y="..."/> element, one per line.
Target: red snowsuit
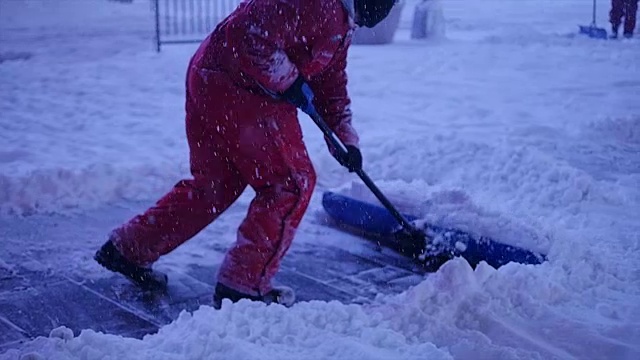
<point x="626" y="9"/>
<point x="238" y="135"/>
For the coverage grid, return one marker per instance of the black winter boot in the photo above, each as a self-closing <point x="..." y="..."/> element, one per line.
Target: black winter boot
<point x="278" y="295"/>
<point x="111" y="259"/>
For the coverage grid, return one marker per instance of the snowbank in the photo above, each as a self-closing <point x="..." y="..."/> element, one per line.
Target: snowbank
<point x="315" y="330"/>
<point x="94" y="115"/>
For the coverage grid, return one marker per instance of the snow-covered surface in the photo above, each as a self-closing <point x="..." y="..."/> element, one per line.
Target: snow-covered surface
<point x="511" y="126"/>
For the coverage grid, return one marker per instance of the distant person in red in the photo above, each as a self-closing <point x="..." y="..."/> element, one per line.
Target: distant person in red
<point x="243" y="88"/>
<point x="626" y="9"/>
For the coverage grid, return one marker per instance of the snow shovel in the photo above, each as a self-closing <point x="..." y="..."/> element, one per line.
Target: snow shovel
<point x="593" y="31"/>
<point x="429" y="245"/>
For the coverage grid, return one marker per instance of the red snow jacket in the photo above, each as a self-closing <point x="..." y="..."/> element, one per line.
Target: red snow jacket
<point x="268" y="43"/>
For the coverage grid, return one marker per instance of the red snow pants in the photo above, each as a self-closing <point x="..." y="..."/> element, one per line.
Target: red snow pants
<point x="626" y="9"/>
<point x="236" y="139"/>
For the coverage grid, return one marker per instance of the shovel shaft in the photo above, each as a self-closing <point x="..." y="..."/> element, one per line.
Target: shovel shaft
<point x="341" y="149"/>
<point x="385" y="202"/>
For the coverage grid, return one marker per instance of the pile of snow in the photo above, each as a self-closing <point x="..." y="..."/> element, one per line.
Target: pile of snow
<point x="93" y="115"/>
<point x="315" y="330"/>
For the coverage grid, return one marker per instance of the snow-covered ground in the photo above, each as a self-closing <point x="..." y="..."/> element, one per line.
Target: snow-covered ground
<point x="511" y="126"/>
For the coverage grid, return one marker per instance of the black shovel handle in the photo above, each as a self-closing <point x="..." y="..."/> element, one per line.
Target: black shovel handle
<point x="341" y="149"/>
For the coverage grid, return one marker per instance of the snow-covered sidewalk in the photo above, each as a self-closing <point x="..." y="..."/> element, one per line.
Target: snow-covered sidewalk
<point x="511" y="126"/>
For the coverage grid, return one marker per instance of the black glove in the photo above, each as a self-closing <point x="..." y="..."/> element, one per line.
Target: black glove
<point x="352" y="160"/>
<point x="300" y="95"/>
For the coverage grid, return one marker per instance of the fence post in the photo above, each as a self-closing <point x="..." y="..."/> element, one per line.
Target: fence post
<point x="157" y="16"/>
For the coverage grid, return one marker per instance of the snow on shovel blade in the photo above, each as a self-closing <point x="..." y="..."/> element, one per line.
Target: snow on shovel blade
<point x="476" y="248"/>
<point x="376" y="223"/>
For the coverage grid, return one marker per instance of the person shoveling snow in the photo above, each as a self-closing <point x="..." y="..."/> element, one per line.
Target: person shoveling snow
<point x="243" y="86"/>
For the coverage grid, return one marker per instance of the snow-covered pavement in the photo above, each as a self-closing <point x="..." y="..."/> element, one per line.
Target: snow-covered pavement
<point x="511" y="126"/>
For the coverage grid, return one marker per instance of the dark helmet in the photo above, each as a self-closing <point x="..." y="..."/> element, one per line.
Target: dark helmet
<point x="370" y="12"/>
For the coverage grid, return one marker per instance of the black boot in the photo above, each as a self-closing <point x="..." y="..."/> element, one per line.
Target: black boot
<point x="111" y="259"/>
<point x="614" y="32"/>
<point x="278" y="295"/>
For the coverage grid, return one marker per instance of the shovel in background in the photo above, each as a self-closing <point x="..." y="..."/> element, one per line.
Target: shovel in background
<point x="593" y="31"/>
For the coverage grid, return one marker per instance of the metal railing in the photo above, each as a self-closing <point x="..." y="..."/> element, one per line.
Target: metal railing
<point x="188" y="21"/>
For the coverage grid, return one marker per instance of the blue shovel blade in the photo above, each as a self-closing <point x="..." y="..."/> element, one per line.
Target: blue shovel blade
<point x="375" y="221"/>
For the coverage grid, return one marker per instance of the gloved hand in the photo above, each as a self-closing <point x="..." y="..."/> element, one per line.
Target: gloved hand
<point x="352" y="160"/>
<point x="300" y="95"/>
